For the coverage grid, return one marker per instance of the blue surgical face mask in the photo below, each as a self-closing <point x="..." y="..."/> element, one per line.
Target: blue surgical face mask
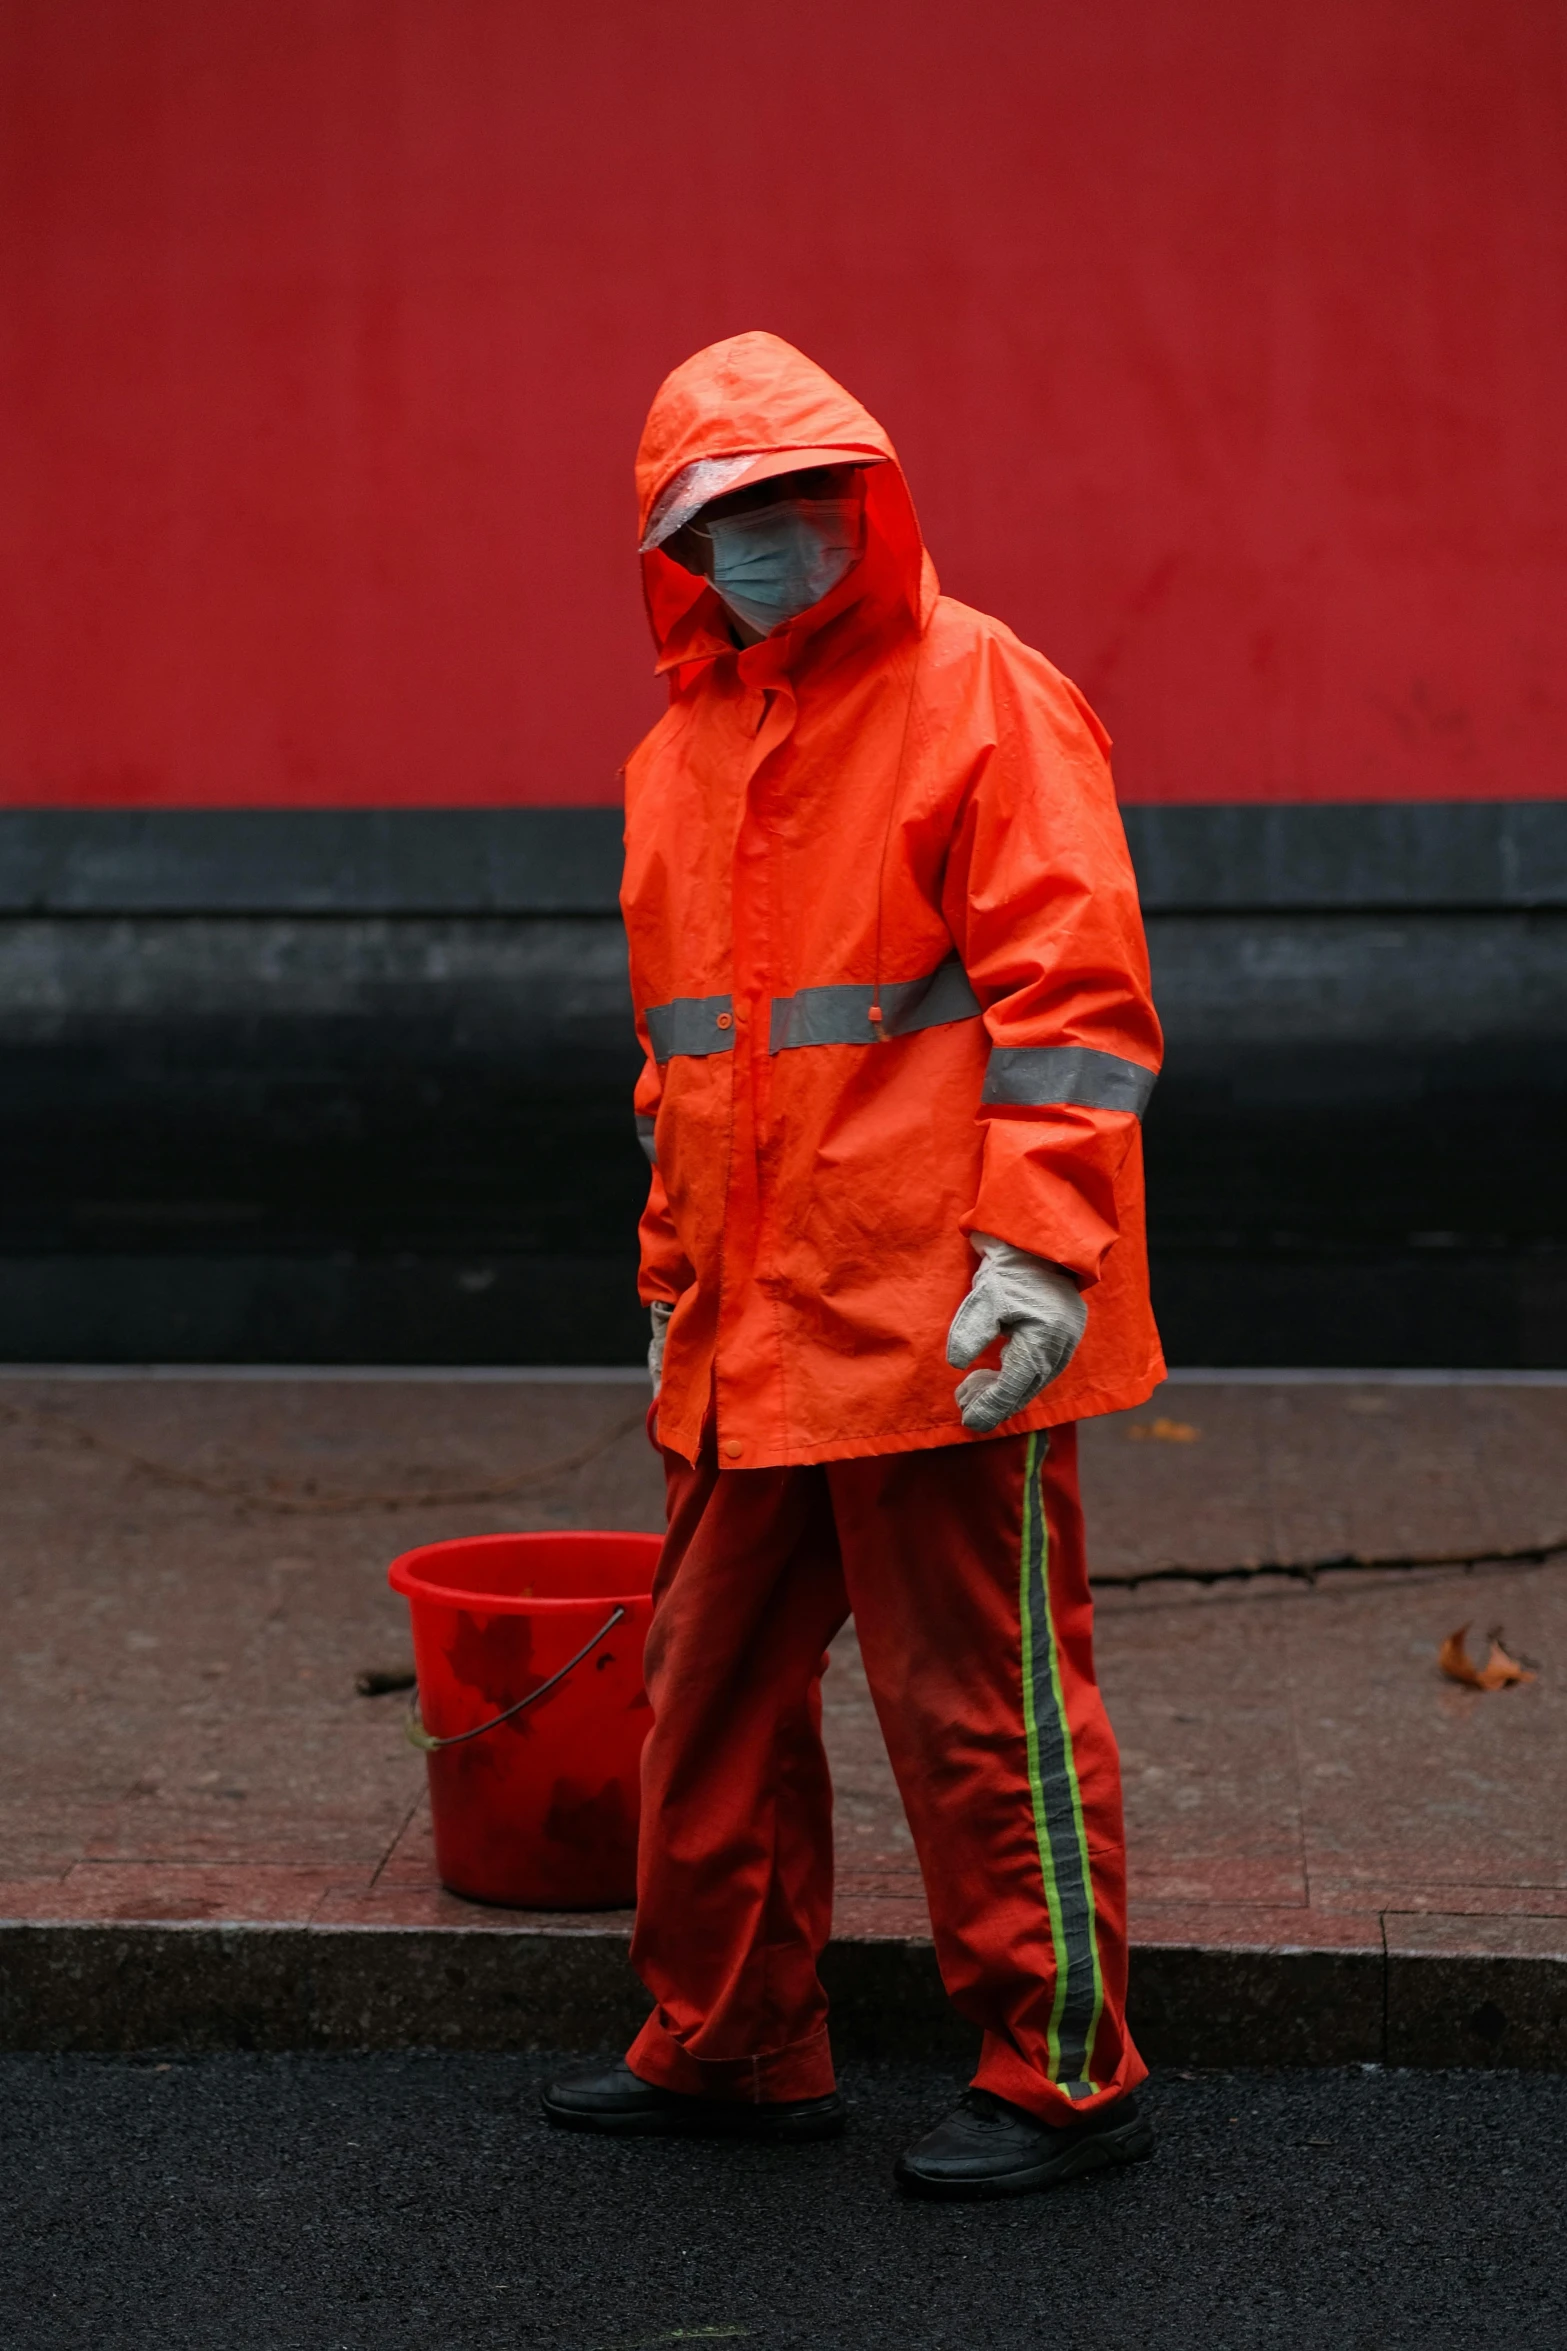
<point x="772" y="562"/>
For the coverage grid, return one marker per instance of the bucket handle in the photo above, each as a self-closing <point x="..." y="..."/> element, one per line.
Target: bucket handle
<point x="418" y="1736"/>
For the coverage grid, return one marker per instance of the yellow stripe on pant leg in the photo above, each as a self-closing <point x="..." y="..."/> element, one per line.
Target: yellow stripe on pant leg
<point x="1058" y="1808"/>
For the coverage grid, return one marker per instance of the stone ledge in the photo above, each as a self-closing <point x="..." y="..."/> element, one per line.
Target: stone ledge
<point x="1433" y="1992"/>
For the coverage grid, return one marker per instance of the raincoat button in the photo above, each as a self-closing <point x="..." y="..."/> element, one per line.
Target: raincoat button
<point x="725" y="1020"/>
<point x="733" y="1448"/>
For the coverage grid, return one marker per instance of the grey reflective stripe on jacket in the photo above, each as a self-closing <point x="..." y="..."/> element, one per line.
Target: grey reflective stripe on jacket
<point x="1037" y="1075"/>
<point x="645" y="1138"/>
<point x="842" y="1015"/>
<point x="690" y="1025"/>
<point x="1030" y="1076"/>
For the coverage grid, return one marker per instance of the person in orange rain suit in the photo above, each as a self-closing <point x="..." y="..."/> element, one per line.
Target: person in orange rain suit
<point x="892" y="988"/>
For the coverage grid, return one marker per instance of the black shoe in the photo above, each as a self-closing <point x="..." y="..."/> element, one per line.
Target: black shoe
<point x="614" y="2099"/>
<point x="989" y="2147"/>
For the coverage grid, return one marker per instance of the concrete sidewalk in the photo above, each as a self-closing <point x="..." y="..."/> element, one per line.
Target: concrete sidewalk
<point x="206" y="1837"/>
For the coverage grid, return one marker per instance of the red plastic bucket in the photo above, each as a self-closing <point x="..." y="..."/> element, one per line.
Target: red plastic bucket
<point x="528" y="1650"/>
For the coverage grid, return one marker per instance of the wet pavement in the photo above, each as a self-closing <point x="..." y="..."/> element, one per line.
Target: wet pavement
<point x="194" y="1575"/>
<point x="318" y="2204"/>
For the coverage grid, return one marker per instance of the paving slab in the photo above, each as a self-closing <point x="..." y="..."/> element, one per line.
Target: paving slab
<point x="1333" y="1852"/>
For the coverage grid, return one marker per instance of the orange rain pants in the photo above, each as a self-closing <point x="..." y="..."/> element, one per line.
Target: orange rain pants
<point x="965" y="1570"/>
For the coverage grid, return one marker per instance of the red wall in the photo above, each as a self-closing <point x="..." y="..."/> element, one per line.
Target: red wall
<point x="1226" y="348"/>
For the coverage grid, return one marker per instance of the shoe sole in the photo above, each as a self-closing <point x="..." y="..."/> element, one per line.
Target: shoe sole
<point x="1131" y="2142"/>
<point x="795" y="2131"/>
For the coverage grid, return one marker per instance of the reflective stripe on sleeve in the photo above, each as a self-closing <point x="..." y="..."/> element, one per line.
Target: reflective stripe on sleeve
<point x="1058" y="1809"/>
<point x="842" y="1015"/>
<point x="645" y="1138"/>
<point x="1039" y="1075"/>
<point x="691" y="1024"/>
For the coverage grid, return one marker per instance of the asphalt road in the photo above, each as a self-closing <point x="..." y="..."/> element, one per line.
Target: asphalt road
<point x="302" y="2204"/>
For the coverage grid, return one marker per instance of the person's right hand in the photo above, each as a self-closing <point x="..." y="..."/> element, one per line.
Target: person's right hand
<point x="659" y="1312"/>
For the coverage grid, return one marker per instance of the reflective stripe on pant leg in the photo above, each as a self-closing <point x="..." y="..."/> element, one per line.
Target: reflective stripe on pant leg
<point x="1058" y="1809"/>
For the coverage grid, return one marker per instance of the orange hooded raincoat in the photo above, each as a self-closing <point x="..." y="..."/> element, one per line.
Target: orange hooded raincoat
<point x="889" y="972"/>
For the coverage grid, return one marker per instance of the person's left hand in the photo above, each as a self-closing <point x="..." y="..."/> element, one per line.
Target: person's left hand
<point x="1043" y="1310"/>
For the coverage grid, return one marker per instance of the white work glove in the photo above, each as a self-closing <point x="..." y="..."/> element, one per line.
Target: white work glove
<point x="659" y="1313"/>
<point x="1041" y="1307"/>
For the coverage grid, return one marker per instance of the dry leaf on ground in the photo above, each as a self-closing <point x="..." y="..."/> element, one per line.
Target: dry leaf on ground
<point x="1164" y="1432"/>
<point x="1498" y="1672"/>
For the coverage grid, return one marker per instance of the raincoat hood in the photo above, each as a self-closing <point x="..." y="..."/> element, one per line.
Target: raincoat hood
<point x="756" y="396"/>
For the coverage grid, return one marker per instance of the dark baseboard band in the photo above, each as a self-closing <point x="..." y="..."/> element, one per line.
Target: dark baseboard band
<point x="1297" y="856"/>
<point x="1364" y="857"/>
<point x="305" y="861"/>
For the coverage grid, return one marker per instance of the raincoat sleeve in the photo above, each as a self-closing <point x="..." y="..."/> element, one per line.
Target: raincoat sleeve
<point x="665" y="1269"/>
<point x="1042" y="905"/>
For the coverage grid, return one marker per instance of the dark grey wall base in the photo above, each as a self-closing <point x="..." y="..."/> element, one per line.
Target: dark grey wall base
<point x="1435" y="1308"/>
<point x="404" y="861"/>
<point x="1431" y="1306"/>
<point x="484" y="1308"/>
<point x="1361" y="855"/>
<point x="322" y="1086"/>
<point x="1431" y="853"/>
<point x="125" y="1987"/>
